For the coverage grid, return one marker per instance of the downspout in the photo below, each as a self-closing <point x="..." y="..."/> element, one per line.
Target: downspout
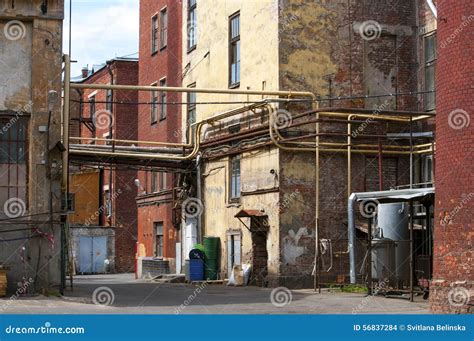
<point x="432" y="7"/>
<point x="111" y="136"/>
<point x="199" y="197"/>
<point x="65" y="158"/>
<point x="351" y="236"/>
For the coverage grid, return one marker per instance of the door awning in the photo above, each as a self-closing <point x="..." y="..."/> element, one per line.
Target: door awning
<point x="249" y="214"/>
<point x="257" y="223"/>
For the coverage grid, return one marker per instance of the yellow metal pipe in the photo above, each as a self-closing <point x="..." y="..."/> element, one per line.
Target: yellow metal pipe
<point x="191" y="90"/>
<point x="129" y="141"/>
<point x="356" y="145"/>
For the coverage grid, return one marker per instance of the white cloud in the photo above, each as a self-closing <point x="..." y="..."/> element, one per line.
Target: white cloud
<point x="101" y="30"/>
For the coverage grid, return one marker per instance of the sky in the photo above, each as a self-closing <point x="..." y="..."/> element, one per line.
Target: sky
<point x="101" y="30"/>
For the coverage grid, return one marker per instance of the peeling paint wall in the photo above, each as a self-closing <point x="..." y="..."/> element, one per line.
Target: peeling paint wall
<point x="324" y="49"/>
<point x="312" y="46"/>
<point x="219" y="212"/>
<point x="259" y="70"/>
<point x="31" y="48"/>
<point x="259" y="56"/>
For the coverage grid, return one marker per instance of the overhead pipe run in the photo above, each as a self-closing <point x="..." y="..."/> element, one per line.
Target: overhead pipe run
<point x="284" y="144"/>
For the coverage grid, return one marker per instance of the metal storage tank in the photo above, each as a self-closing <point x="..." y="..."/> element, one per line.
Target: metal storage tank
<point x="392" y="223"/>
<point x="383" y="259"/>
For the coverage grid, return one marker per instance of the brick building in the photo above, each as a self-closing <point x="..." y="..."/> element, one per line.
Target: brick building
<point x="453" y="277"/>
<point x="352" y="54"/>
<point x="159" y="120"/>
<point x="30" y="144"/>
<point x="102" y="115"/>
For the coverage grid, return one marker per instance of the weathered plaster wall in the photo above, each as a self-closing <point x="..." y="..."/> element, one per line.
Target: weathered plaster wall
<point x="259" y="64"/>
<point x="323" y="50"/>
<point x="34" y="60"/>
<point x="219" y="213"/>
<point x="259" y="56"/>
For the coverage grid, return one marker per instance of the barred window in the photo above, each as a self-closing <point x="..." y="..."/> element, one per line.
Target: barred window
<point x="13" y="162"/>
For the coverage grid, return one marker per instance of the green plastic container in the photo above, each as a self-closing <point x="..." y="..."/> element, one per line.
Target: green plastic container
<point x="211" y="261"/>
<point x="210" y="271"/>
<point x="211" y="247"/>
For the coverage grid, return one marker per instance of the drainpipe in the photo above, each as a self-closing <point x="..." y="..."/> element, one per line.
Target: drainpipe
<point x="199" y="197"/>
<point x="432" y="7"/>
<point x="351" y="236"/>
<point x="111" y="136"/>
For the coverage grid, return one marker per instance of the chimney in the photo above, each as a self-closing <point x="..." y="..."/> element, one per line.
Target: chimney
<point x="85" y="72"/>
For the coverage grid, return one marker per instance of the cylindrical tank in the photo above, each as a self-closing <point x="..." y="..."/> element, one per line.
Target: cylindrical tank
<point x="383" y="259"/>
<point x="392" y="223"/>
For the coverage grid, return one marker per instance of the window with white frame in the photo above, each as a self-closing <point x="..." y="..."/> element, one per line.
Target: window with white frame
<point x="192" y="25"/>
<point x="163" y="28"/>
<point x="154" y="34"/>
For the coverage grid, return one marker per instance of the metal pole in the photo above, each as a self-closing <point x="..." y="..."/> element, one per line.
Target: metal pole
<point x="411" y="152"/>
<point x="65" y="159"/>
<point x="65" y="156"/>
<point x="369" y="257"/>
<point x="316" y="218"/>
<point x="380" y="166"/>
<point x="411" y="252"/>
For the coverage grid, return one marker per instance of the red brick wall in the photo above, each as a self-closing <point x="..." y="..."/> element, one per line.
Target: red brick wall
<point x="120" y="182"/>
<point x="454" y="226"/>
<point x="357" y="66"/>
<point x="165" y="63"/>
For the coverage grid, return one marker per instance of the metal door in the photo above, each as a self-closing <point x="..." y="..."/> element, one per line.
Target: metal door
<point x="99" y="254"/>
<point x="233" y="251"/>
<point x="85" y="252"/>
<point x="92" y="254"/>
